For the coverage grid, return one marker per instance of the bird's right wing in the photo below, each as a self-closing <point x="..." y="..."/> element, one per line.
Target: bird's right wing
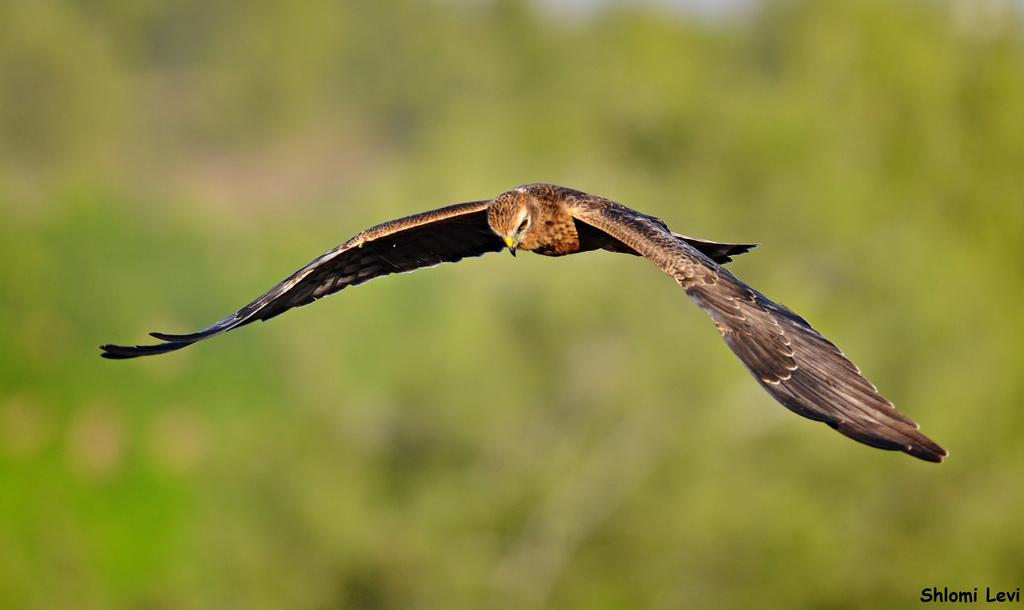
<point x="445" y="235"/>
<point x="796" y="365"/>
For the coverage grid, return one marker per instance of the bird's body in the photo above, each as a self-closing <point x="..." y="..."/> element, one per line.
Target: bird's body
<point x="542" y="212"/>
<point x="796" y="365"/>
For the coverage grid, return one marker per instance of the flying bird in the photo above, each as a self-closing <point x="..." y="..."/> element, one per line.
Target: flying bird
<point x="798" y="366"/>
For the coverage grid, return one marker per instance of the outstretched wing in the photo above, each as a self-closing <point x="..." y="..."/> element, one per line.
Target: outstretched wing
<point x="406" y="244"/>
<point x="798" y="366"/>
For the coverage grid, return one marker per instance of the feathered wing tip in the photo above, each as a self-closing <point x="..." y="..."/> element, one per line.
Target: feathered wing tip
<point x="176" y="342"/>
<point x="123" y="352"/>
<point x="180" y="338"/>
<point x="805" y="371"/>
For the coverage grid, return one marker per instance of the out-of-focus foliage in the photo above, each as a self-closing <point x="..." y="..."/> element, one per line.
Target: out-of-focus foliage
<point x="501" y="433"/>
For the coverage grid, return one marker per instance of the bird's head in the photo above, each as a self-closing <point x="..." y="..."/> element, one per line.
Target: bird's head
<point x="511" y="217"/>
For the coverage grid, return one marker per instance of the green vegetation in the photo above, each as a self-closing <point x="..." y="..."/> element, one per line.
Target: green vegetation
<point x="436" y="441"/>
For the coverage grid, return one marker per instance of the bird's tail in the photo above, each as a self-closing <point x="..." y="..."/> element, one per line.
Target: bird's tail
<point x="719" y="252"/>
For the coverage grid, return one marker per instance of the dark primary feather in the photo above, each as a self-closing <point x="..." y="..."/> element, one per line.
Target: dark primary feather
<point x="445" y="235"/>
<point x="798" y="366"/>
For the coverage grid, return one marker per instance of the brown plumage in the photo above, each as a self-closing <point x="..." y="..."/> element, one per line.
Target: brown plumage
<point x="796" y="365"/>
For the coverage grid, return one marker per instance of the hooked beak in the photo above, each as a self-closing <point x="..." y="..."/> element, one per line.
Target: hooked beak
<point x="511" y="245"/>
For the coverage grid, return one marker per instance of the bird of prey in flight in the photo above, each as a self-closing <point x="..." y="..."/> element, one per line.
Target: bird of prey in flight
<point x="796" y="365"/>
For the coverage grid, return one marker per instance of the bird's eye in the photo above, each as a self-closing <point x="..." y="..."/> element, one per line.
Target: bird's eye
<point x="523" y="225"/>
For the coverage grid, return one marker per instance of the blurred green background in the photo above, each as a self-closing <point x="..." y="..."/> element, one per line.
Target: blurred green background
<point x="520" y="433"/>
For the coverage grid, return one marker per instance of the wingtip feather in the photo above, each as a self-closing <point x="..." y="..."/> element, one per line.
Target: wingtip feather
<point x="124" y="352"/>
<point x="176" y="338"/>
<point x="926" y="449"/>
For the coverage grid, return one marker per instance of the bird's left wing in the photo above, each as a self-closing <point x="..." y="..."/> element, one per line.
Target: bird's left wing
<point x="440" y="236"/>
<point x="796" y="365"/>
